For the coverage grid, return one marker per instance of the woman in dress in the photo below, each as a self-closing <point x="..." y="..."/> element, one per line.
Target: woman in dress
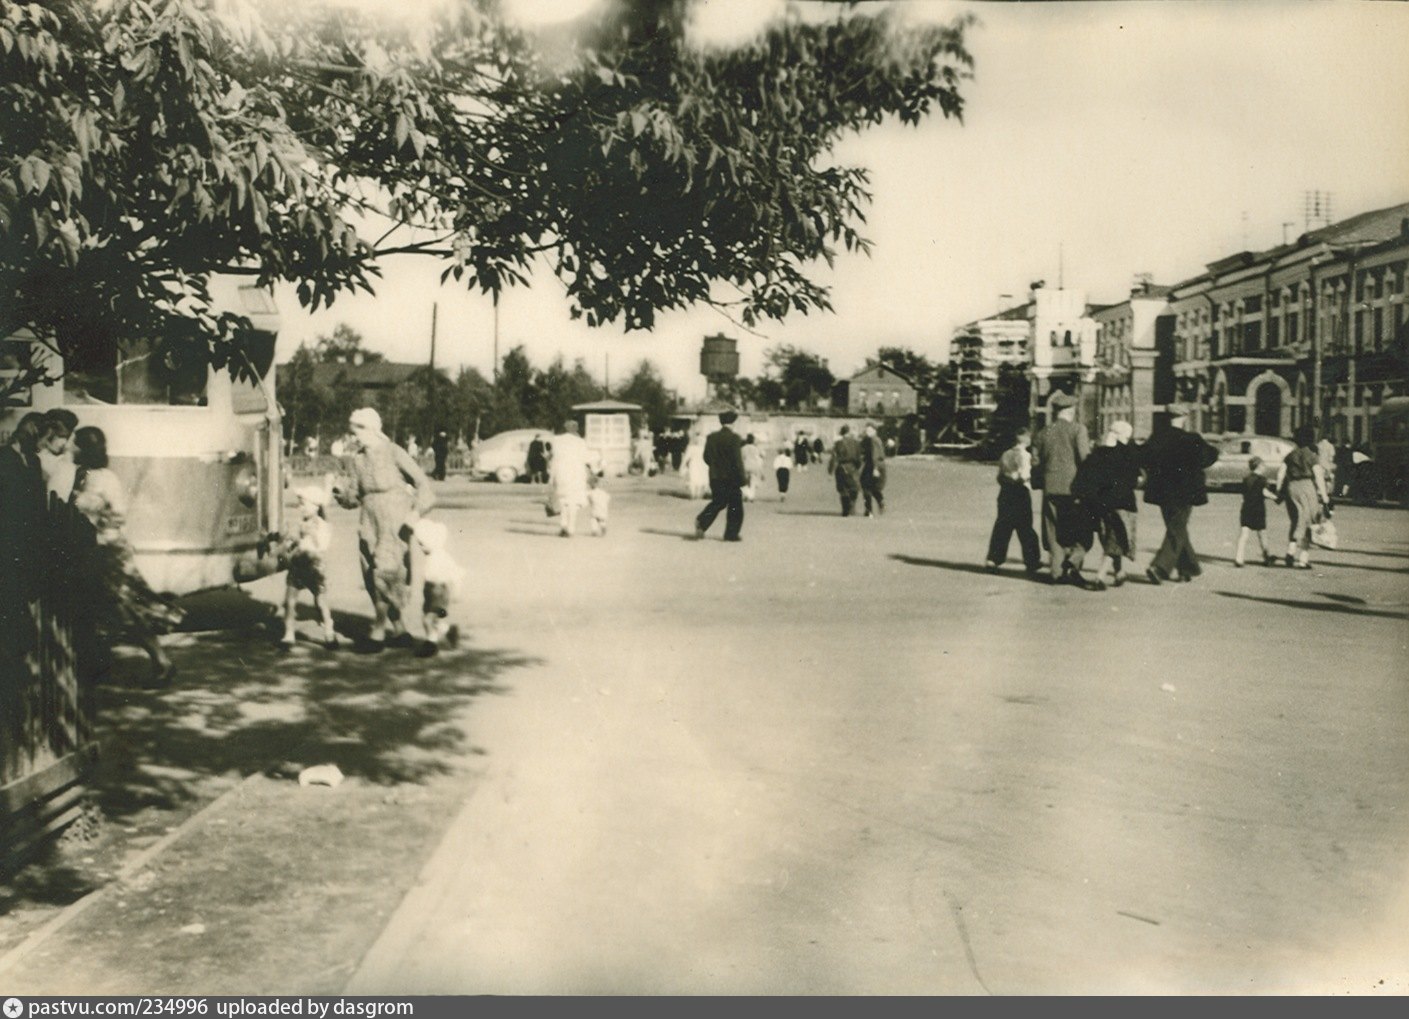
<point x="1301" y="482"/>
<point x="696" y="470"/>
<point x="125" y="610"/>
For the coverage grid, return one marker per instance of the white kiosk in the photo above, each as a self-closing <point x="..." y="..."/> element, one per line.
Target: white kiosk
<point x="606" y="428"/>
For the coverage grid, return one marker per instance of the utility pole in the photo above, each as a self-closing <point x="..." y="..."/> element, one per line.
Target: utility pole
<point x="607" y="374"/>
<point x="494" y="372"/>
<point x="430" y="376"/>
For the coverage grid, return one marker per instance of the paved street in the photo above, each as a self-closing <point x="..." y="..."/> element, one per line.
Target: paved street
<point x="841" y="758"/>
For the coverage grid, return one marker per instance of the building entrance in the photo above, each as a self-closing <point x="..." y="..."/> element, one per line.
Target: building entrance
<point x="1267" y="409"/>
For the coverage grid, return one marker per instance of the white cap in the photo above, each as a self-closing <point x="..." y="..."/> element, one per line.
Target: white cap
<point x="366" y="417"/>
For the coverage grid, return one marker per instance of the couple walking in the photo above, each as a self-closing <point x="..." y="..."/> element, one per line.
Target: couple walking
<point x="1088" y="493"/>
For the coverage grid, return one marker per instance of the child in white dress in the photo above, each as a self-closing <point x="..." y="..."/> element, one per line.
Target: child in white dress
<point x="442" y="579"/>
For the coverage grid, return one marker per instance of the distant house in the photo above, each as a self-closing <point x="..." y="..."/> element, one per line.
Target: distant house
<point x="369" y="378"/>
<point x="878" y="391"/>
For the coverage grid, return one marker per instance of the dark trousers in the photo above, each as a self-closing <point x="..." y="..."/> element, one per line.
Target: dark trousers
<point x="439" y="472"/>
<point x="1014" y="514"/>
<point x="1061" y="534"/>
<point x="1177" y="551"/>
<point x="784" y="476"/>
<point x="873" y="483"/>
<point x="848" y="488"/>
<point x="729" y="498"/>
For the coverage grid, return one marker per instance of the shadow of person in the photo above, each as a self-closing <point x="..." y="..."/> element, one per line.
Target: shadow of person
<point x="1017" y="573"/>
<point x="1339" y="605"/>
<point x="662" y="532"/>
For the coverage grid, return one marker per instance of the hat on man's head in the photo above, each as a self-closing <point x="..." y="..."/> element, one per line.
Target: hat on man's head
<point x="728" y="417"/>
<point x="1178" y="410"/>
<point x="1062" y="400"/>
<point x="366" y="417"/>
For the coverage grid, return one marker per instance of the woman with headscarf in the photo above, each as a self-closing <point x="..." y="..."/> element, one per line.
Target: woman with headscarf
<point x="1301" y="483"/>
<point x="392" y="492"/>
<point x="1105" y="488"/>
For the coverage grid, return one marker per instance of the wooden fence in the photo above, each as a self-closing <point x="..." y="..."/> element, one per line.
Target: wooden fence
<point x="46" y="718"/>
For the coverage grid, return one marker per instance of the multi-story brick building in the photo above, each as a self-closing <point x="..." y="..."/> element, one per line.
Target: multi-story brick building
<point x="1134" y="359"/>
<point x="1308" y="332"/>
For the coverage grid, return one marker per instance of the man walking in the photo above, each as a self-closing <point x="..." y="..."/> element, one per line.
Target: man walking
<point x="723" y="455"/>
<point x="1059" y="449"/>
<point x="1174" y="462"/>
<point x="846" y="469"/>
<point x="873" y="471"/>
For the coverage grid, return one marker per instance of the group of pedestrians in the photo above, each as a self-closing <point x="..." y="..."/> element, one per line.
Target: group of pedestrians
<point x="386" y="484"/>
<point x="1089" y="495"/>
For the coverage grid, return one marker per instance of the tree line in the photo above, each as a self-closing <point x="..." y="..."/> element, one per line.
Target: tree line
<point x="317" y="401"/>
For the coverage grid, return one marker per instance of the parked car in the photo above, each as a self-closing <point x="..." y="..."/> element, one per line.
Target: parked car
<point x="1234" y="452"/>
<point x="504" y="457"/>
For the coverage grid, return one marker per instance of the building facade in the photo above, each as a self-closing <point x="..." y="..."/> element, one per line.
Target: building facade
<point x="978" y="352"/>
<point x="1063" y="354"/>
<point x="880" y="392"/>
<point x="1134" y="359"/>
<point x="1312" y="332"/>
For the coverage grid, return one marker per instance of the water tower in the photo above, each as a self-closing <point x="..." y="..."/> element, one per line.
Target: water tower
<point x="719" y="362"/>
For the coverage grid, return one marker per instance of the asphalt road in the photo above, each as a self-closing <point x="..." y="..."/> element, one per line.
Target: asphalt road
<point x="840" y="758"/>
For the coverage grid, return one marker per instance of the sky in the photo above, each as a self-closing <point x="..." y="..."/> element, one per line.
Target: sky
<point x="1099" y="140"/>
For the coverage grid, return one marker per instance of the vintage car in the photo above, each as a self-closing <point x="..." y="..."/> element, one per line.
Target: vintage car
<point x="1234" y="452"/>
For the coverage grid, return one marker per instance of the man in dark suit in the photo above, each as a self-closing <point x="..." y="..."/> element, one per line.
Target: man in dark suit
<point x="723" y="454"/>
<point x="873" y="470"/>
<point x="1174" y="462"/>
<point x="845" y="466"/>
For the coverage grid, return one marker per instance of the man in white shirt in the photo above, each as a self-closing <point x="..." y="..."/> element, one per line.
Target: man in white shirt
<point x="1015" y="508"/>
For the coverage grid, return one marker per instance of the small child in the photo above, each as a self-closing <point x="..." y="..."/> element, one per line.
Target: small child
<point x="783" y="471"/>
<point x="305" y="554"/>
<point x="599" y="503"/>
<point x="1253" y="516"/>
<point x="442" y="578"/>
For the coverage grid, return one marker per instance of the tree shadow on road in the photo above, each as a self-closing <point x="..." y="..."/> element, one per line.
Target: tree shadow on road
<point x="239" y="706"/>
<point x="1338" y="606"/>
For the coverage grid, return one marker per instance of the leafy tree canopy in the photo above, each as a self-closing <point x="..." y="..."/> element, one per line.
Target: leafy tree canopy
<point x="150" y="143"/>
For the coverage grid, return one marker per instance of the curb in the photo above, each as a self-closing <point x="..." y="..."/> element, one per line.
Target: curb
<point x="80" y="906"/>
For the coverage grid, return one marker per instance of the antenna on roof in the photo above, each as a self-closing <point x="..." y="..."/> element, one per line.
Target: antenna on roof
<point x="1059" y="266"/>
<point x="1316" y="208"/>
